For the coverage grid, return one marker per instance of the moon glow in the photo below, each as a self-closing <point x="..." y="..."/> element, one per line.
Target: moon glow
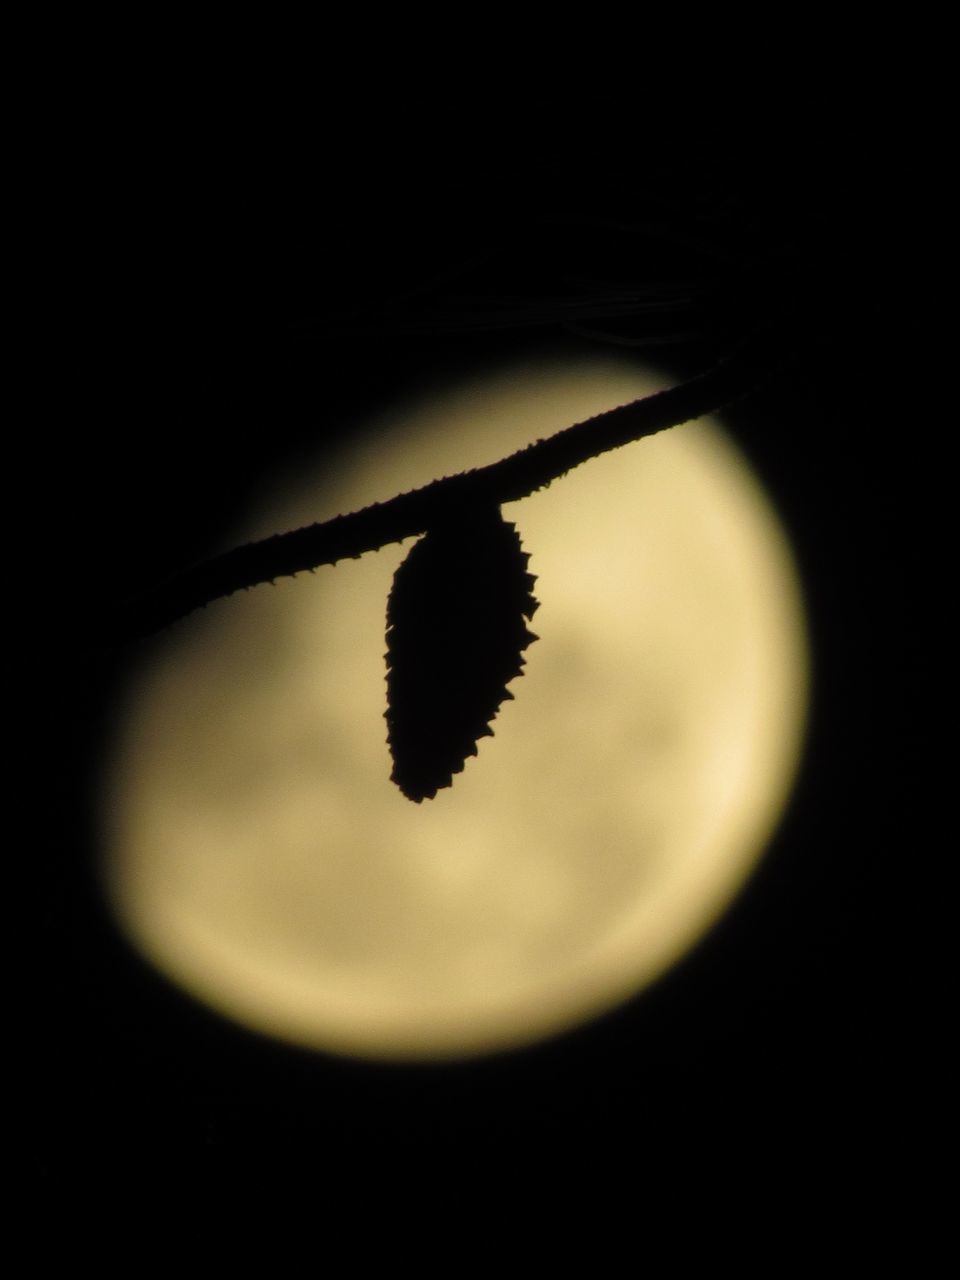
<point x="256" y="852"/>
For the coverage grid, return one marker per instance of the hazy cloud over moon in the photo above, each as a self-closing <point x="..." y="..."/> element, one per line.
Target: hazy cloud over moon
<point x="257" y="852"/>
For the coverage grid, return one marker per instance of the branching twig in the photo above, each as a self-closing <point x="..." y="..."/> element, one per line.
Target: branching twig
<point x="508" y="480"/>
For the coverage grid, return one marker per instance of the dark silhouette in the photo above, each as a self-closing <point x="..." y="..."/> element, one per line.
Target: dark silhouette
<point x="456" y="631"/>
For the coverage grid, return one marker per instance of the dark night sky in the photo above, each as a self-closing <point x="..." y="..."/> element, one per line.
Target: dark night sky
<point x="220" y="277"/>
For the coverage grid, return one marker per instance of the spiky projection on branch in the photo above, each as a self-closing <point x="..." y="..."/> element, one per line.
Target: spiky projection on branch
<point x="456" y="632"/>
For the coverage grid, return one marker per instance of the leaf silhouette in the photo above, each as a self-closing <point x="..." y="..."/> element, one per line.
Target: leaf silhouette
<point x="456" y="631"/>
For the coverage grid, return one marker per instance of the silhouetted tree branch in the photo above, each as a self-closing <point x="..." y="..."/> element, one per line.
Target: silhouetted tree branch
<point x="408" y="514"/>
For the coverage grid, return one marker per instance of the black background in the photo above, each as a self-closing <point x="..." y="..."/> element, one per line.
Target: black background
<point x="221" y="274"/>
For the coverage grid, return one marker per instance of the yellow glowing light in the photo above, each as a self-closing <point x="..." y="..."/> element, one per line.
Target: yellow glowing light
<point x="258" y="854"/>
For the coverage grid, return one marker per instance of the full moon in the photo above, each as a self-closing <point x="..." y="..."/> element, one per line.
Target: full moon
<point x="256" y="852"/>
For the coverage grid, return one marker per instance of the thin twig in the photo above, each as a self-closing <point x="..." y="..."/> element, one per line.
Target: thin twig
<point x="408" y="514"/>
